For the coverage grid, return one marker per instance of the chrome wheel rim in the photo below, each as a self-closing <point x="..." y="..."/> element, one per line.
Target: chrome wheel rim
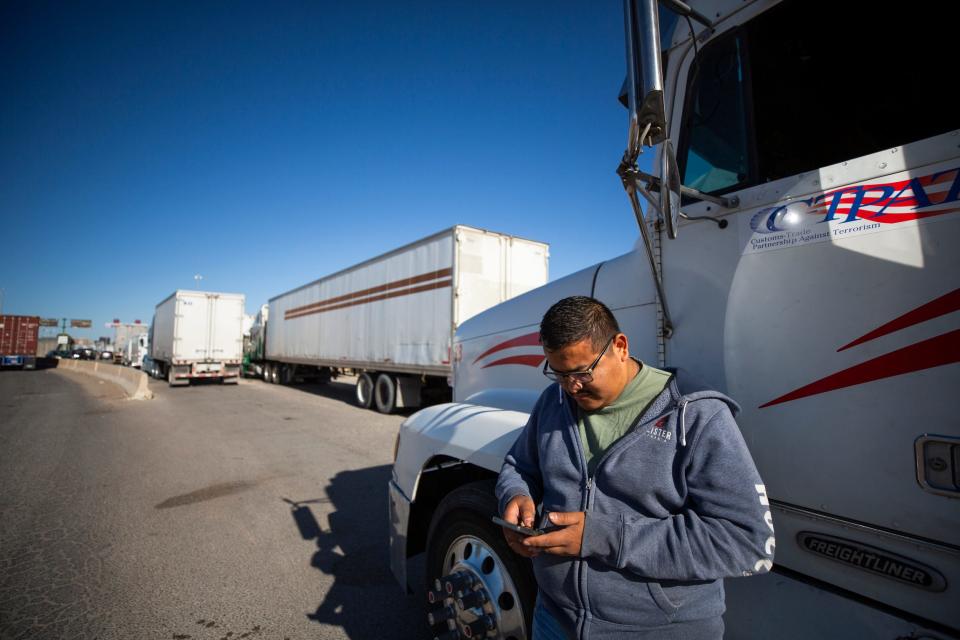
<point x="474" y="556"/>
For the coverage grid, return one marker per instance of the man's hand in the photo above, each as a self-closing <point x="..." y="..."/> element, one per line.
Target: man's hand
<point x="566" y="540"/>
<point x="522" y="511"/>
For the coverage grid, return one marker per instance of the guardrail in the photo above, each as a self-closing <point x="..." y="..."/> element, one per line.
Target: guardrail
<point x="132" y="381"/>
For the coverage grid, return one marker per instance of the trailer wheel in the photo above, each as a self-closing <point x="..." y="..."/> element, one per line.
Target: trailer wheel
<point x="364" y="390"/>
<point x="465" y="551"/>
<point x="286" y="373"/>
<point x="273" y="376"/>
<point x="172" y="380"/>
<point x="385" y="393"/>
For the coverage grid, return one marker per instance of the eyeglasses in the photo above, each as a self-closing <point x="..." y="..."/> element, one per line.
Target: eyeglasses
<point x="583" y="377"/>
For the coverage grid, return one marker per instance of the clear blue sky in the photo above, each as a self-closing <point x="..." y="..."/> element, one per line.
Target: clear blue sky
<point x="264" y="145"/>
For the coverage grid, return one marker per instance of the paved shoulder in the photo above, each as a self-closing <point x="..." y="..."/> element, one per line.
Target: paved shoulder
<point x="209" y="512"/>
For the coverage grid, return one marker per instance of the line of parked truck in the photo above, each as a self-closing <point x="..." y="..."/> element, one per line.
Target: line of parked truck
<point x="389" y="321"/>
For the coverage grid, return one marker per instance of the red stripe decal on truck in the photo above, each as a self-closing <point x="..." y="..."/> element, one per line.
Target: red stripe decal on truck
<point x="528" y="340"/>
<point x="935" y="352"/>
<point x="939" y="307"/>
<point x="396" y="284"/>
<point x="529" y="361"/>
<point x="393" y="294"/>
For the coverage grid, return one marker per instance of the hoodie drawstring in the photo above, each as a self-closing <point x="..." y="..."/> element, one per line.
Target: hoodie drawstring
<point x="683" y="426"/>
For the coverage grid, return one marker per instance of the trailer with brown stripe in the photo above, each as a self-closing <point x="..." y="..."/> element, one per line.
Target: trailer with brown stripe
<point x="390" y="320"/>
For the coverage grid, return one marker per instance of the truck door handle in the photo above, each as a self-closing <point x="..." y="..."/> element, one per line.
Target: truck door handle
<point x="938" y="464"/>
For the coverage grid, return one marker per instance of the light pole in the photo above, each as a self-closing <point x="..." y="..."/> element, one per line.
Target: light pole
<point x="196" y="279"/>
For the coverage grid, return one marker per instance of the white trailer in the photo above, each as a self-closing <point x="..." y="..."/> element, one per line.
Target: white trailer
<point x="198" y="334"/>
<point x="816" y="283"/>
<point x="390" y="320"/>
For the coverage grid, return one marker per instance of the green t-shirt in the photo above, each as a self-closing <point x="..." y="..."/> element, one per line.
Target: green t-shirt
<point x="600" y="429"/>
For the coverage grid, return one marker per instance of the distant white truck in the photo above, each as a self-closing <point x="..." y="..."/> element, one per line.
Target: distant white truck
<point x="197" y="334"/>
<point x="391" y="320"/>
<point x="133" y="351"/>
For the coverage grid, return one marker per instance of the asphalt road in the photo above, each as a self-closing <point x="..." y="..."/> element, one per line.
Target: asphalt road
<point x="210" y="512"/>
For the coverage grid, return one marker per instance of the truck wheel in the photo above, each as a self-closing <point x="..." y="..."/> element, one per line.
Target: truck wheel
<point x="385" y="393"/>
<point x="286" y="373"/>
<point x="274" y="375"/>
<point x="364" y="390"/>
<point x="172" y="380"/>
<point x="465" y="551"/>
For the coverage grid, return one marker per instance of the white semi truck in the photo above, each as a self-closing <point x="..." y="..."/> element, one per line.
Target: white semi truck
<point x="812" y="275"/>
<point x="197" y="334"/>
<point x="133" y="351"/>
<point x="390" y="320"/>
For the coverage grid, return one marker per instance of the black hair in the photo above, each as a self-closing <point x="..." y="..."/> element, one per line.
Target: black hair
<point x="572" y="319"/>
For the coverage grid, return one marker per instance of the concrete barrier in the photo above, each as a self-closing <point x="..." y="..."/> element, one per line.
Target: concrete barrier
<point x="131" y="380"/>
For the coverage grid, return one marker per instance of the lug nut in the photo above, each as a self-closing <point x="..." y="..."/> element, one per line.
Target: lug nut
<point x="478" y="628"/>
<point x="471" y="600"/>
<point x="435" y="597"/>
<point x="459" y="581"/>
<point x="441" y="614"/>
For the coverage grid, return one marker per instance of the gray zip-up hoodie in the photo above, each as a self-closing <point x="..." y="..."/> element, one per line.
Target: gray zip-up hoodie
<point x="673" y="507"/>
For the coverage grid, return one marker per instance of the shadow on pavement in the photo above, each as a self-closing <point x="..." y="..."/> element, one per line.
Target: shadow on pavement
<point x="342" y="391"/>
<point x="47" y="363"/>
<point x="345" y="392"/>
<point x="364" y="600"/>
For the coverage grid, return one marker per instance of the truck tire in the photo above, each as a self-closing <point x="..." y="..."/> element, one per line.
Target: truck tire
<point x="273" y="376"/>
<point x="364" y="390"/>
<point x="172" y="381"/>
<point x="286" y="373"/>
<point x="385" y="393"/>
<point x="463" y="542"/>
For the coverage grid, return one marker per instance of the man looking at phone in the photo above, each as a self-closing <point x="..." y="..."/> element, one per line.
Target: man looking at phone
<point x="647" y="492"/>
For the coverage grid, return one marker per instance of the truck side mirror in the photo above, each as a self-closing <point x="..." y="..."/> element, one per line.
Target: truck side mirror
<point x="669" y="188"/>
<point x="644" y="83"/>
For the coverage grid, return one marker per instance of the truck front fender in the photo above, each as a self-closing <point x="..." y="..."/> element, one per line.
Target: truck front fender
<point x="440" y="449"/>
<point x="475" y="434"/>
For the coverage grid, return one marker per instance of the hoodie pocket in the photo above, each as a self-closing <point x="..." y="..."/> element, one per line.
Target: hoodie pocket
<point x="663" y="601"/>
<point x="624" y="598"/>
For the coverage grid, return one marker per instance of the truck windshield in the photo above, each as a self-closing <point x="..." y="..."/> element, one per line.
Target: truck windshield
<point x="717" y="155"/>
<point x="800" y="87"/>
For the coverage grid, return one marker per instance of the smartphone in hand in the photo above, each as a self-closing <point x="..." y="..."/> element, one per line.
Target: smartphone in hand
<point x="524" y="531"/>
